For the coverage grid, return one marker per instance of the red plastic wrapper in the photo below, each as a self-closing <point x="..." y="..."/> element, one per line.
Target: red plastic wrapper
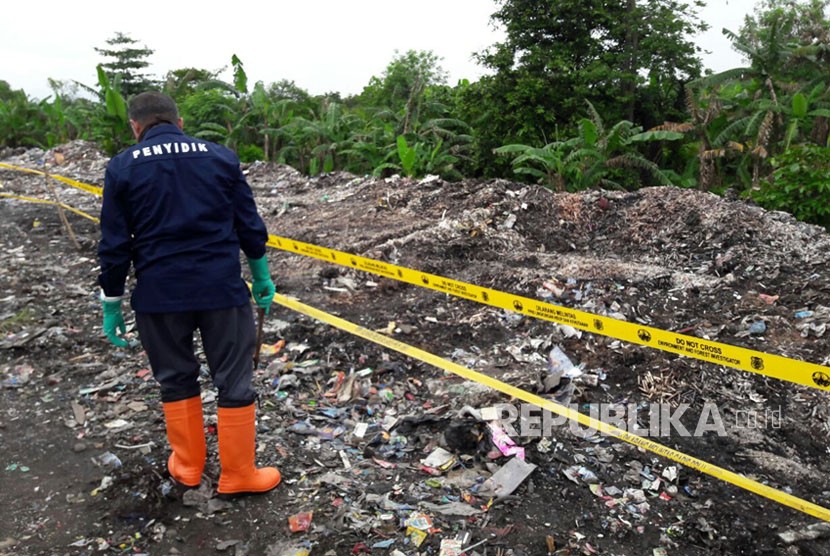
<point x="300" y="522"/>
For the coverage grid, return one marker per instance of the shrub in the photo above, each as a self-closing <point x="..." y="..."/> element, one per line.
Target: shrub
<point x="250" y="153"/>
<point x="799" y="184"/>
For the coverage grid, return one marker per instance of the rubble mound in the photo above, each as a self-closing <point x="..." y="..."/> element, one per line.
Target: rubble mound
<point x="381" y="453"/>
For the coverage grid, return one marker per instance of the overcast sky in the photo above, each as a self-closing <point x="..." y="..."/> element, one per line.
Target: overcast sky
<point x="322" y="45"/>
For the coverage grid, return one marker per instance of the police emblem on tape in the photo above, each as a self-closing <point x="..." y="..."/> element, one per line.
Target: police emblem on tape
<point x="644" y="335"/>
<point x="757" y="363"/>
<point x="821" y="379"/>
<point x="598" y="324"/>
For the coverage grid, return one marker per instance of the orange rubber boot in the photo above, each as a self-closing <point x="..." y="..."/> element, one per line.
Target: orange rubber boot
<point x="237" y="446"/>
<point x="186" y="434"/>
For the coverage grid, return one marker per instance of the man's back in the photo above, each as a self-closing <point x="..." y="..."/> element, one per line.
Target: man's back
<point x="184" y="208"/>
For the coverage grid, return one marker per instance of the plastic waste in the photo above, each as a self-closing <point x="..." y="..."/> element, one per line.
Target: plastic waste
<point x="504" y="443"/>
<point x="439" y="460"/>
<point x="757" y="328"/>
<point x="109" y="460"/>
<point x="507" y="479"/>
<point x="300" y="522"/>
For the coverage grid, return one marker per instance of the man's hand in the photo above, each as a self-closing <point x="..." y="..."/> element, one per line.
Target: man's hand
<point x="114" y="322"/>
<point x="262" y="288"/>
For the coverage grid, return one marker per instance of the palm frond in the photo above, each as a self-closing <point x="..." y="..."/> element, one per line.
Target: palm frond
<point x="736" y="128"/>
<point x="630" y="160"/>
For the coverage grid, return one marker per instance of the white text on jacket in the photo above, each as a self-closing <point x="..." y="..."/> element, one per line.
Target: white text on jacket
<point x="170" y="148"/>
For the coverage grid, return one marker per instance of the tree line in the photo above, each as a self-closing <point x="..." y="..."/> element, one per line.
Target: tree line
<point x="580" y="94"/>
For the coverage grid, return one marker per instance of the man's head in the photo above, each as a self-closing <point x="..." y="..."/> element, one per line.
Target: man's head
<point x="152" y="108"/>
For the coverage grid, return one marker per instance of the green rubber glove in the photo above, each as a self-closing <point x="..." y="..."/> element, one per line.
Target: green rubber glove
<point x="114" y="322"/>
<point x="262" y="288"/>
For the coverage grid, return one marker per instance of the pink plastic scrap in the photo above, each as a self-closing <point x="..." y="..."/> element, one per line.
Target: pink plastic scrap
<point x="504" y="443"/>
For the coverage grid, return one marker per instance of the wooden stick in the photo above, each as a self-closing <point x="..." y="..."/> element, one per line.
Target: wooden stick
<point x="67" y="226"/>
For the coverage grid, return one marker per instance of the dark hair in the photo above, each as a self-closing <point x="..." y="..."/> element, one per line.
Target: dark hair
<point x="153" y="108"/>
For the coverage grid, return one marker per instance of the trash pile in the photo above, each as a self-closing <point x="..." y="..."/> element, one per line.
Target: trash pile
<point x="381" y="454"/>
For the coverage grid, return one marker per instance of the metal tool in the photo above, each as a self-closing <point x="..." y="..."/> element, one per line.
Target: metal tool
<point x="260" y="320"/>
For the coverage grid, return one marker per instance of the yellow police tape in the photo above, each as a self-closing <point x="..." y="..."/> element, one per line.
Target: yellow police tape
<point x="585" y="420"/>
<point x="47" y="202"/>
<point x="775" y="366"/>
<point x="94" y="189"/>
<point x="533" y="308"/>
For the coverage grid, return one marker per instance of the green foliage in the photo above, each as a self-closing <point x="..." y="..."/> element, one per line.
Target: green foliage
<point x="127" y="60"/>
<point x="407" y="156"/>
<point x="597" y="156"/>
<point x="240" y="78"/>
<point x="250" y="153"/>
<point x="45" y="123"/>
<point x="546" y="164"/>
<point x="773" y="103"/>
<point x="207" y="111"/>
<point x="110" y="127"/>
<point x="629" y="59"/>
<point x="181" y="83"/>
<point x="799" y="105"/>
<point x="799" y="184"/>
<point x="116" y="106"/>
<point x="420" y="159"/>
<point x="786" y="39"/>
<point x="632" y="64"/>
<point x="404" y="80"/>
<point x="18" y="118"/>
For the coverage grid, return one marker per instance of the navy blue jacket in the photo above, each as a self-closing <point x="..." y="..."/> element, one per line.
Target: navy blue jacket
<point x="178" y="209"/>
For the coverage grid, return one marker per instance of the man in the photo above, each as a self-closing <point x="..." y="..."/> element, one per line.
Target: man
<point x="179" y="210"/>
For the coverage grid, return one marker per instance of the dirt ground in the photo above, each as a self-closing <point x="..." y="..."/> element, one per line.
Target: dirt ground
<point x="82" y="443"/>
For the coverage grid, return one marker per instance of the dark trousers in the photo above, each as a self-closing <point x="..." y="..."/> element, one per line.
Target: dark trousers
<point x="228" y="338"/>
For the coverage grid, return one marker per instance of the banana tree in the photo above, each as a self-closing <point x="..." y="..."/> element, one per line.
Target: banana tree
<point x="763" y="108"/>
<point x="716" y="122"/>
<point x="809" y="114"/>
<point x="321" y="142"/>
<point x="334" y="131"/>
<point x="211" y="112"/>
<point x="59" y="127"/>
<point x="433" y="146"/>
<point x="369" y="148"/>
<point x="419" y="159"/>
<point x="611" y="159"/>
<point x="548" y="164"/>
<point x="595" y="157"/>
<point x="111" y="125"/>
